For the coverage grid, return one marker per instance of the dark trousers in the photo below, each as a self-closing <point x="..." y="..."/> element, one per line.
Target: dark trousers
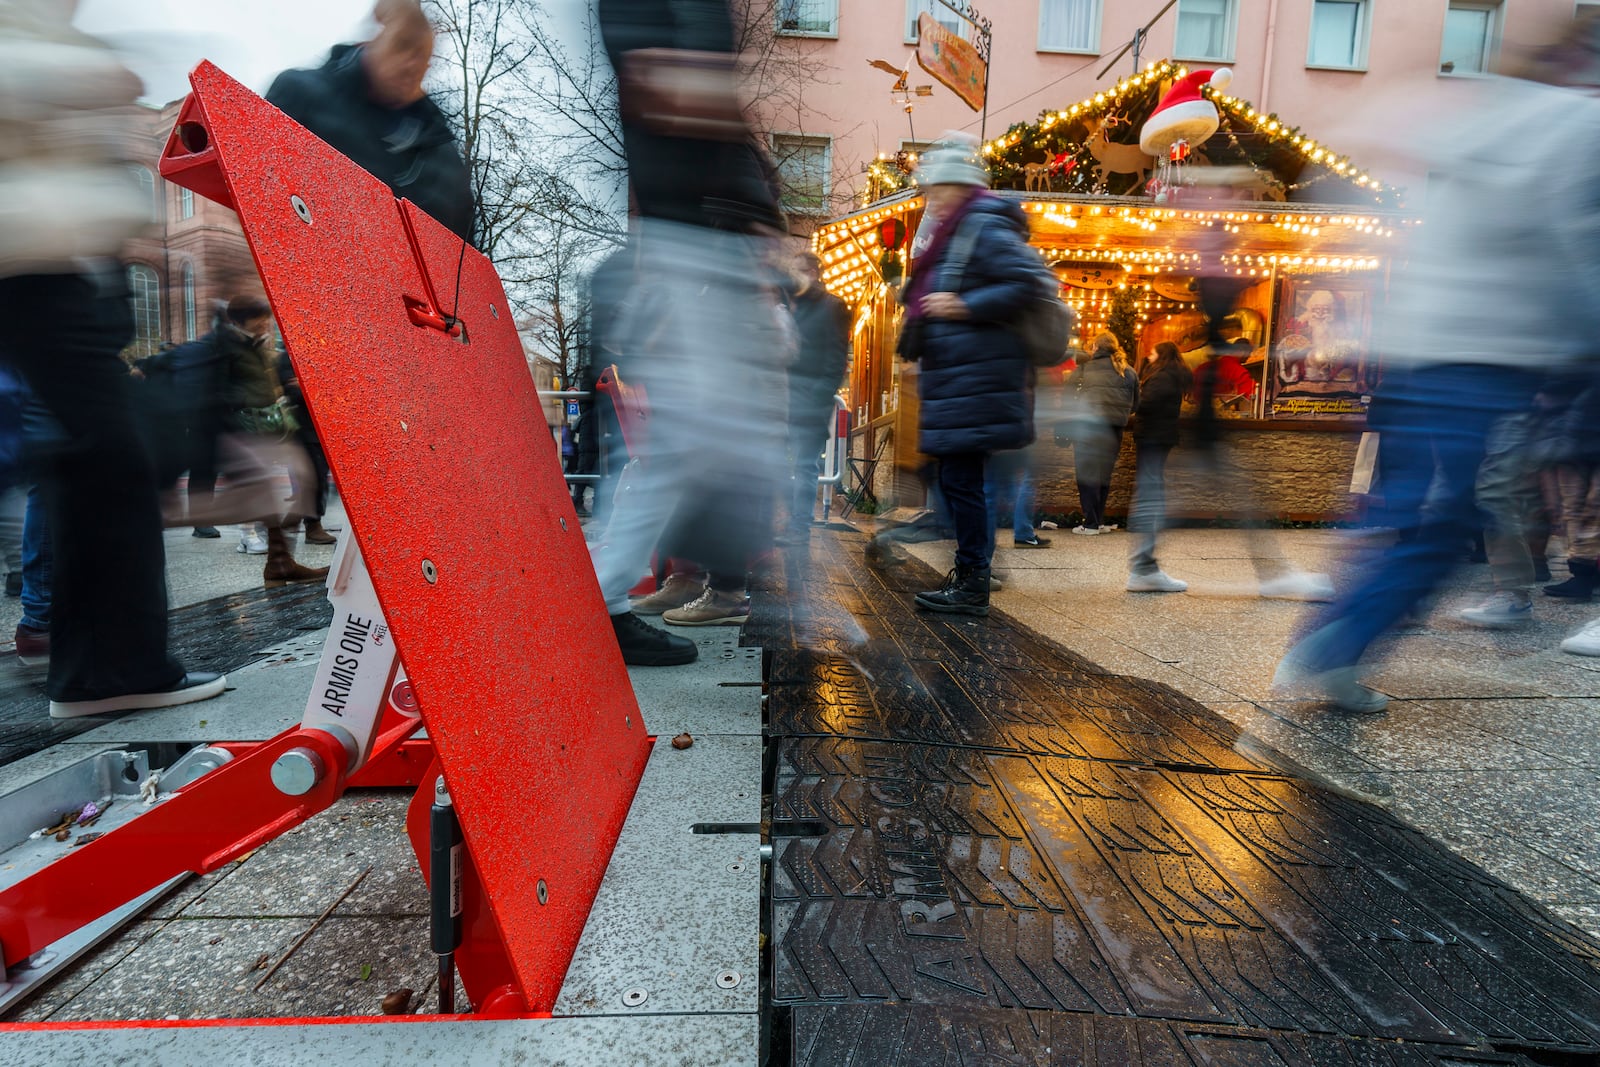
<point x="318" y="497"/>
<point x="1436" y="435"/>
<point x="108" y="620"/>
<point x="203" y="434"/>
<point x="1094" y="462"/>
<point x="961" y="481"/>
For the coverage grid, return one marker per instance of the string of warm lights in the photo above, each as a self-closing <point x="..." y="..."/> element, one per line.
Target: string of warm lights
<point x="1028" y="139"/>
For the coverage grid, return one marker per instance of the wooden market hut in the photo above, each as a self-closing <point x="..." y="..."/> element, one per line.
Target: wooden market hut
<point x="1317" y="234"/>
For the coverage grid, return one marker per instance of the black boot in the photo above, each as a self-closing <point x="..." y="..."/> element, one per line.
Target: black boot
<point x="965" y="592"/>
<point x="1581" y="586"/>
<point x="643" y="645"/>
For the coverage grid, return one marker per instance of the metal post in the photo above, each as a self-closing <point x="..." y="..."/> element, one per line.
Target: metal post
<point x="444" y="891"/>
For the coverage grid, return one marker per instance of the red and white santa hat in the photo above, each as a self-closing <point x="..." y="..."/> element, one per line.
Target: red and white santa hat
<point x="1183" y="114"/>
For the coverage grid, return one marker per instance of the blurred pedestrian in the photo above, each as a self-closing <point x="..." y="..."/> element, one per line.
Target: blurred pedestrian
<point x="823" y="323"/>
<point x="259" y="442"/>
<point x="698" y="328"/>
<point x="1165" y="381"/>
<point x="976" y="274"/>
<point x="1571" y="445"/>
<point x="1101" y="395"/>
<point x="67" y="203"/>
<point x="1502" y="268"/>
<point x="180" y="393"/>
<point x="367" y="101"/>
<point x="315" y="495"/>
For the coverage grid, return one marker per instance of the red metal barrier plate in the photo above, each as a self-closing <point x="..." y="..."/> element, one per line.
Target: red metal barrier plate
<point x="455" y="493"/>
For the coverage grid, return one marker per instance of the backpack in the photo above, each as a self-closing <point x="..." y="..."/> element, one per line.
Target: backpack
<point x="1044" y="325"/>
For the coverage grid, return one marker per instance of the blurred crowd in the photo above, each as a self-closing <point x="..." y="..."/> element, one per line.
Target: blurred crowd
<point x="722" y="354"/>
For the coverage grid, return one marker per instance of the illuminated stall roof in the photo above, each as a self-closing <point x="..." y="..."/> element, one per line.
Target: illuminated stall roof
<point x="1078" y="222"/>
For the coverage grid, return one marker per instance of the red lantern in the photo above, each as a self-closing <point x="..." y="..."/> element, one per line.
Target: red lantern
<point x="892" y="232"/>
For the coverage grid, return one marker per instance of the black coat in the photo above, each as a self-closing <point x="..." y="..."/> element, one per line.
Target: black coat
<point x="410" y="149"/>
<point x="1160" y="405"/>
<point x="823" y="323"/>
<point x="975" y="380"/>
<point x="722" y="184"/>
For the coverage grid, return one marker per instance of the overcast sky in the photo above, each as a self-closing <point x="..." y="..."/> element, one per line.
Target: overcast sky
<point x="250" y="39"/>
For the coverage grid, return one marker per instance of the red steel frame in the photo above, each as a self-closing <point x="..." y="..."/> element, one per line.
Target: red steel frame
<point x="404" y="344"/>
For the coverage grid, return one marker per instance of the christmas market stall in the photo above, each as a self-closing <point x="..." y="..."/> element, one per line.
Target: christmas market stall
<point x="1132" y="195"/>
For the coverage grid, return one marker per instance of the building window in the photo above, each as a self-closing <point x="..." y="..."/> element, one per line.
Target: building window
<point x="1338" y="34"/>
<point x="144" y="290"/>
<point x="147" y="185"/>
<point x="941" y="14"/>
<point x="186" y="203"/>
<point x="809" y="18"/>
<point x="1069" y="26"/>
<point x="804" y="167"/>
<point x="190" y="331"/>
<point x="1205" y="29"/>
<point x="1470" y="34"/>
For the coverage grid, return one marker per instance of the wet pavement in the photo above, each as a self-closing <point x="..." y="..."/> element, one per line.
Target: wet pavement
<point x="987" y="848"/>
<point x="222" y="634"/>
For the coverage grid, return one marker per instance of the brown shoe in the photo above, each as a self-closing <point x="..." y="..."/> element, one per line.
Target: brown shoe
<point x="281" y="568"/>
<point x="711" y="608"/>
<point x="316" y="535"/>
<point x="675" y="592"/>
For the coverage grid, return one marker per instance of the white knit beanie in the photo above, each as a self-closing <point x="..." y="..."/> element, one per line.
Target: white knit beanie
<point x="952" y="160"/>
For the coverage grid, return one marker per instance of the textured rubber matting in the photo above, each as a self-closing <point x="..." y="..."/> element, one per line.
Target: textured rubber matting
<point x="989" y="847"/>
<point x="917" y="1036"/>
<point x="222" y="634"/>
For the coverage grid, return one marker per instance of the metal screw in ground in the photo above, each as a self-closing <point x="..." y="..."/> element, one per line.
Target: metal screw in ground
<point x="736" y="867"/>
<point x="727" y="979"/>
<point x="634" y="997"/>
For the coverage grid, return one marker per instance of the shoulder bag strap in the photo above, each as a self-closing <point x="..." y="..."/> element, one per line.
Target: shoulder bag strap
<point x="961" y="246"/>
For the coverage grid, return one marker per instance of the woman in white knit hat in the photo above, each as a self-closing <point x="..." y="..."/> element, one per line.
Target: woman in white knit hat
<point x="973" y="274"/>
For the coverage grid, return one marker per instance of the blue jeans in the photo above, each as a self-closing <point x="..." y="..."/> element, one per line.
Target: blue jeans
<point x="36" y="564"/>
<point x="1010" y="478"/>
<point x="1438" y="426"/>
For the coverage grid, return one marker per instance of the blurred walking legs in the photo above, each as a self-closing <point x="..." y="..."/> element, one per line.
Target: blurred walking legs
<point x="108" y="622"/>
<point x="706" y="335"/>
<point x="1436" y="435"/>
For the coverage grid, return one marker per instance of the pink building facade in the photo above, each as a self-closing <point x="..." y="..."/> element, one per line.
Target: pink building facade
<point x="1325" y="65"/>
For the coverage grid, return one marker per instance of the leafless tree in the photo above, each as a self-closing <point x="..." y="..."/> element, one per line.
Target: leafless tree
<point x="483" y="49"/>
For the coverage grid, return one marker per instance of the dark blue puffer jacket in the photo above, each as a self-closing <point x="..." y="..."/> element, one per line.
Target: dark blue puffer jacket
<point x="975" y="381"/>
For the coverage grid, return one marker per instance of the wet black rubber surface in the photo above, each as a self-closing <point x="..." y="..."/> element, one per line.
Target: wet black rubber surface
<point x="999" y="853"/>
<point x="217" y="635"/>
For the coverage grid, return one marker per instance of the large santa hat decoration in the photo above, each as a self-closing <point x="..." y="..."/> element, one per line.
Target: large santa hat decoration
<point x="1183" y="114"/>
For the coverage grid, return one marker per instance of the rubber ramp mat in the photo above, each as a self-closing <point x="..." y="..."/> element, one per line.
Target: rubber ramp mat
<point x="999" y="846"/>
<point x="918" y="1036"/>
<point x="222" y="634"/>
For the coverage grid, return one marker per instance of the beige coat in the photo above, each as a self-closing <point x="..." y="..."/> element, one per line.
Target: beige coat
<point x="66" y="195"/>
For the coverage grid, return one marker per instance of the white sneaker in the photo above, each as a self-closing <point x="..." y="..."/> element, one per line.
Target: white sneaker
<point x="252" y="541"/>
<point x="1155" y="582"/>
<point x="1502" y="611"/>
<point x="1109" y="527"/>
<point x="1086" y="531"/>
<point x="1338" y="687"/>
<point x="1586" y="642"/>
<point x="1297" y="585"/>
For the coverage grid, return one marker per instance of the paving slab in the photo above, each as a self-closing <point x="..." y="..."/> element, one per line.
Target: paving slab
<point x="660" y="1041"/>
<point x="678" y="915"/>
<point x="711" y="695"/>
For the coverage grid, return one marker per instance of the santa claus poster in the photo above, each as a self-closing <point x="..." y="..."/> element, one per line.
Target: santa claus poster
<point x="1321" y="364"/>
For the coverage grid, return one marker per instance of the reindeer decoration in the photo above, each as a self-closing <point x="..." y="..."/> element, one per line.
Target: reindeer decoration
<point x="1038" y="176"/>
<point x="1113" y="158"/>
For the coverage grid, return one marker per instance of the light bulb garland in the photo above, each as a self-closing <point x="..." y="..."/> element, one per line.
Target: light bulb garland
<point x="1046" y="140"/>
